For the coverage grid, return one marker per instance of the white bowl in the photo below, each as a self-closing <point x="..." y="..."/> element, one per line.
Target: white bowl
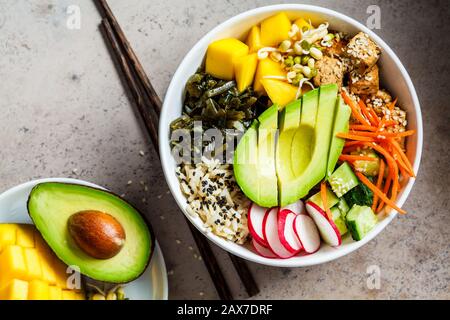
<point x="393" y="76"/>
<point x="151" y="285"/>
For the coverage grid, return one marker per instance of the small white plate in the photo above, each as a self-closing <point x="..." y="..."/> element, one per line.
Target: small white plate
<point x="152" y="285"/>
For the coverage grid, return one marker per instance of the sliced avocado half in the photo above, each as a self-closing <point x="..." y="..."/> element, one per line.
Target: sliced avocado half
<point x="50" y="205"/>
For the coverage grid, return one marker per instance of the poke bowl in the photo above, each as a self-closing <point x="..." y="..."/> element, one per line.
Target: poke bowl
<point x="274" y="69"/>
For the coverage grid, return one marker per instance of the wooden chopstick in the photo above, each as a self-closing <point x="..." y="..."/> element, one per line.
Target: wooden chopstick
<point x="136" y="64"/>
<point x="205" y="250"/>
<point x="239" y="264"/>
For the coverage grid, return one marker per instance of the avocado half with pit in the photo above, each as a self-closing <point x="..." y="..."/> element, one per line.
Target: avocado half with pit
<point x="92" y="229"/>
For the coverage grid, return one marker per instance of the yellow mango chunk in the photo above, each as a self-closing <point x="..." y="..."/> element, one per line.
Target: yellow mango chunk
<point x="38" y="290"/>
<point x="72" y="295"/>
<point x="245" y="69"/>
<point x="12" y="264"/>
<point x="54" y="293"/>
<point x="254" y="39"/>
<point x="280" y="92"/>
<point x="275" y="29"/>
<point x="221" y="55"/>
<point x="60" y="271"/>
<point x="25" y="236"/>
<point x="15" y="290"/>
<point x="46" y="256"/>
<point x="7" y="235"/>
<point x="33" y="263"/>
<point x="302" y="24"/>
<point x="266" y="67"/>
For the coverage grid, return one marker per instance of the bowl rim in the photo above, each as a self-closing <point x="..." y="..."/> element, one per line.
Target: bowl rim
<point x="165" y="150"/>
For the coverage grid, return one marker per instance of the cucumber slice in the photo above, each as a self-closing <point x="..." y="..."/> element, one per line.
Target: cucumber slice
<point x="360" y="220"/>
<point x="368" y="168"/>
<point x="343" y="180"/>
<point x="338" y="220"/>
<point x="343" y="207"/>
<point x="331" y="199"/>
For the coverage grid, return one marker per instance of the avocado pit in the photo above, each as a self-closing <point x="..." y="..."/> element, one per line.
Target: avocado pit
<point x="97" y="233"/>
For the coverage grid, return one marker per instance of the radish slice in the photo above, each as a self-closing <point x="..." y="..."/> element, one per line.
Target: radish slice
<point x="296" y="207"/>
<point x="262" y="251"/>
<point x="255" y="223"/>
<point x="286" y="231"/>
<point x="307" y="233"/>
<point x="270" y="229"/>
<point x="328" y="230"/>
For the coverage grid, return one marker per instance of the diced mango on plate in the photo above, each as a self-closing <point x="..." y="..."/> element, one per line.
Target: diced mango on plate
<point x="267" y="68"/>
<point x="221" y="55"/>
<point x="28" y="268"/>
<point x="280" y="92"/>
<point x="254" y="39"/>
<point x="245" y="69"/>
<point x="275" y="29"/>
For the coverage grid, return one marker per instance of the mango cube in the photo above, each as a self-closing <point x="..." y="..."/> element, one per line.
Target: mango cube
<point x="38" y="290"/>
<point x="221" y="55"/>
<point x="267" y="68"/>
<point x="29" y="270"/>
<point x="275" y="29"/>
<point x="7" y="235"/>
<point x="302" y="24"/>
<point x="254" y="39"/>
<point x="12" y="264"/>
<point x="25" y="236"/>
<point x="280" y="92"/>
<point x="245" y="69"/>
<point x="15" y="290"/>
<point x="54" y="293"/>
<point x="33" y="264"/>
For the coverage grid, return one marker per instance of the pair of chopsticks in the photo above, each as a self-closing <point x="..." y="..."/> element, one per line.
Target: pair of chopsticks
<point x="149" y="107"/>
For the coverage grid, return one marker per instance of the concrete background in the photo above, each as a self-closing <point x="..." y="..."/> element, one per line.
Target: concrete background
<point x="64" y="113"/>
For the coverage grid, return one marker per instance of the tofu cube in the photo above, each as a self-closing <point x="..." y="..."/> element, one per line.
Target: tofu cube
<point x="365" y="84"/>
<point x="221" y="56"/>
<point x="363" y="52"/>
<point x="329" y="70"/>
<point x="275" y="29"/>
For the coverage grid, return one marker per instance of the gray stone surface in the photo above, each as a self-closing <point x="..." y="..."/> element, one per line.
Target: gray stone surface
<point x="63" y="107"/>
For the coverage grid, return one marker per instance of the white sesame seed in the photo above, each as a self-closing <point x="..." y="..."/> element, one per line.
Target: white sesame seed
<point x="141" y="153"/>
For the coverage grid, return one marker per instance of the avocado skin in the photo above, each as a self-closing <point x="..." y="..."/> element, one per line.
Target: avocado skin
<point x="144" y="218"/>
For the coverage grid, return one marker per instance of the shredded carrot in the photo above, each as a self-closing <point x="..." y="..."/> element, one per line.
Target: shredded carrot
<point x="387" y="185"/>
<point x="383" y="134"/>
<point x="387" y="123"/>
<point x="379" y="181"/>
<point x="362" y="127"/>
<point x="403" y="156"/>
<point x="323" y="195"/>
<point x="377" y="191"/>
<point x="350" y="157"/>
<point x="366" y="112"/>
<point x="353" y="137"/>
<point x="392" y="104"/>
<point x="401" y="164"/>
<point x="374" y="116"/>
<point x="354" y="108"/>
<point x="351" y="143"/>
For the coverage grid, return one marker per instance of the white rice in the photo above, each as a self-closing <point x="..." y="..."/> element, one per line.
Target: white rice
<point x="213" y="195"/>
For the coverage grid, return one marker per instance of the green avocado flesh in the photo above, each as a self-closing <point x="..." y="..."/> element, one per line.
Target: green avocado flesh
<point x="50" y="206"/>
<point x="341" y="124"/>
<point x="267" y="175"/>
<point x="246" y="163"/>
<point x="286" y="168"/>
